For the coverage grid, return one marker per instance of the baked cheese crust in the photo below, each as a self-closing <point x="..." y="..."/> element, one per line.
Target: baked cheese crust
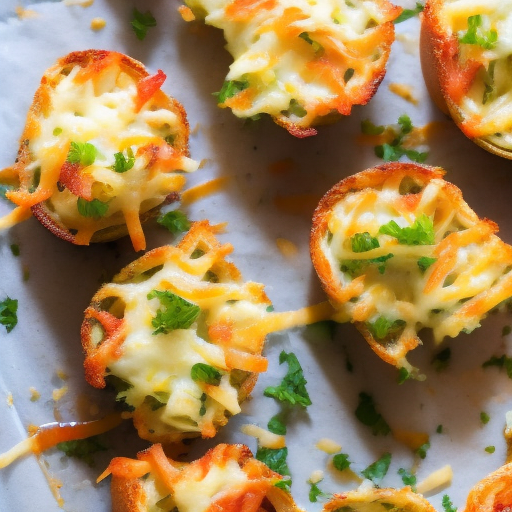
<point x="302" y="62"/>
<point x="467" y="44"/>
<point x="226" y="479"/>
<point x="397" y="249"/>
<point x="100" y="151"/>
<point x="371" y="499"/>
<point x="180" y="336"/>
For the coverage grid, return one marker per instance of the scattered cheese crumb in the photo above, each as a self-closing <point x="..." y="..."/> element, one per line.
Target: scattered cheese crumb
<point x="32" y="429"/>
<point x="98" y="23"/>
<point x="203" y="163"/>
<point x="328" y="446"/>
<point x="409" y="42"/>
<point x="57" y="394"/>
<point x="186" y="13"/>
<point x="82" y="3"/>
<point x="287" y="247"/>
<point x="9" y="400"/>
<point x="316" y="476"/>
<point x="404" y="91"/>
<point x="25" y="13"/>
<point x="34" y="394"/>
<point x="196" y="129"/>
<point x="436" y="481"/>
<point x="62" y="375"/>
<point x="412" y="440"/>
<point x="265" y="438"/>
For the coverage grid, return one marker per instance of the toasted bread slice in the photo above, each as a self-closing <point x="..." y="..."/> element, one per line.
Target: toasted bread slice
<point x="100" y="149"/>
<point x="465" y="52"/>
<point x="180" y="336"/>
<point x="372" y="499"/>
<point x="397" y="249"/>
<point x="226" y="479"/>
<point x="304" y="63"/>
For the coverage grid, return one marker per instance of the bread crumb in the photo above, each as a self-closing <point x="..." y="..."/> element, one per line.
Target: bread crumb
<point x="10" y="400"/>
<point x="57" y="394"/>
<point x="34" y="394"/>
<point x="25" y="13"/>
<point x="287" y="247"/>
<point x="98" y="23"/>
<point x="186" y="13"/>
<point x="316" y="476"/>
<point x="328" y="446"/>
<point x="404" y="91"/>
<point x="265" y="438"/>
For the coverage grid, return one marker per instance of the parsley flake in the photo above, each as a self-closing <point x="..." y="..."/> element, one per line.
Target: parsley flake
<point x="317" y="47"/>
<point x="175" y="221"/>
<point x="421" y="452"/>
<point x="201" y="372"/>
<point x="475" y="35"/>
<point x="355" y="268"/>
<point x="340" y="461"/>
<point x="377" y="471"/>
<point x="484" y="418"/>
<point x="95" y="208"/>
<point x="82" y="449"/>
<point x="315" y="492"/>
<point x="424" y="262"/>
<point x="367" y="414"/>
<point x="175" y="313"/>
<point x="276" y="426"/>
<point x="82" y="153"/>
<point x="409" y="13"/>
<point x="293" y="386"/>
<point x="421" y="232"/>
<point x="408" y="478"/>
<point x="8" y="313"/>
<point x="363" y="242"/>
<point x="142" y="22"/>
<point x="275" y="459"/>
<point x="502" y="362"/>
<point x="490" y="449"/>
<point x="447" y="504"/>
<point x="123" y="164"/>
<point x="230" y="88"/>
<point x="441" y="360"/>
<point x="384" y="328"/>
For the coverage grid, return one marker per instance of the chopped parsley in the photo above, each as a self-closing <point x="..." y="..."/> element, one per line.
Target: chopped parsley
<point x="489" y="85"/>
<point x="403" y="375"/>
<point x="82" y="449"/>
<point x="275" y="459"/>
<point x="201" y="372"/>
<point x="230" y="88"/>
<point x="277" y="426"/>
<point x="141" y="22"/>
<point x="82" y="153"/>
<point x="484" y="418"/>
<point x="409" y="13"/>
<point x="384" y="328"/>
<point x="123" y="164"/>
<point x="424" y="262"/>
<point x="349" y="73"/>
<point x="175" y="221"/>
<point x="340" y="461"/>
<point x="490" y="449"/>
<point x="355" y="268"/>
<point x="420" y="233"/>
<point x="175" y="313"/>
<point x="393" y="151"/>
<point x="315" y="492"/>
<point x="8" y="313"/>
<point x="295" y="109"/>
<point x="377" y="471"/>
<point x="202" y="409"/>
<point x="421" y="452"/>
<point x="293" y="386"/>
<point x="363" y="242"/>
<point x="501" y="362"/>
<point x="408" y="478"/>
<point x="367" y="414"/>
<point x="447" y="504"/>
<point x="15" y="249"/>
<point x="441" y="360"/>
<point x="95" y="208"/>
<point x="317" y="47"/>
<point x="439" y="429"/>
<point x="475" y="34"/>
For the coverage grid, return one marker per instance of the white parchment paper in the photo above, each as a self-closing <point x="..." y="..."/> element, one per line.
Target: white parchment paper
<point x="43" y="351"/>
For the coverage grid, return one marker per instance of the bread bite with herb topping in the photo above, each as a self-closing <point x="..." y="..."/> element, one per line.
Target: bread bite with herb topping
<point x="101" y="150"/>
<point x="466" y="51"/>
<point x="303" y="63"/>
<point x="180" y="336"/>
<point x="397" y="249"/>
<point x="226" y="479"/>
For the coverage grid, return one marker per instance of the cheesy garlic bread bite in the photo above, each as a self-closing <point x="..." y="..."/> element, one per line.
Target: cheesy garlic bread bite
<point x="466" y="51"/>
<point x="397" y="249"/>
<point x="180" y="336"/>
<point x="226" y="479"/>
<point x="100" y="150"/>
<point x="303" y="63"/>
<point x="371" y="499"/>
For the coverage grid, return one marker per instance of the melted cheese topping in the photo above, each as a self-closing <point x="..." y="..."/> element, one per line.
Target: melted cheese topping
<point x="448" y="284"/>
<point x="103" y="108"/>
<point x="486" y="107"/>
<point x="297" y="59"/>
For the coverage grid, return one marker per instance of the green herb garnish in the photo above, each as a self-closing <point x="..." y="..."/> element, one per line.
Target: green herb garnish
<point x="421" y="452"/>
<point x="175" y="313"/>
<point x="276" y="426"/>
<point x="82" y="153"/>
<point x="367" y="414"/>
<point x="355" y="268"/>
<point x="424" y="262"/>
<point x="447" y="504"/>
<point x="377" y="471"/>
<point x="142" y="22"/>
<point x="484" y="418"/>
<point x="384" y="328"/>
<point x="409" y="13"/>
<point x="475" y="35"/>
<point x="229" y="89"/>
<point x="368" y="128"/>
<point x="490" y="449"/>
<point x="123" y="164"/>
<point x="95" y="208"/>
<point x="315" y="492"/>
<point x="293" y="386"/>
<point x="175" y="221"/>
<point x="420" y="233"/>
<point x="201" y="372"/>
<point x="340" y="461"/>
<point x="403" y="375"/>
<point x="441" y="360"/>
<point x="15" y="249"/>
<point x="8" y="313"/>
<point x="363" y="242"/>
<point x="82" y="449"/>
<point x="407" y="478"/>
<point x="295" y="109"/>
<point x="275" y="459"/>
<point x="502" y="362"/>
<point x="317" y="47"/>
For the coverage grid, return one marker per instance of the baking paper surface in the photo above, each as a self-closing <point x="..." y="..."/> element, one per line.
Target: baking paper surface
<point x="43" y="351"/>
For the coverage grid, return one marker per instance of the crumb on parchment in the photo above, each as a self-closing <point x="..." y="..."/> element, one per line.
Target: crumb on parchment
<point x="98" y="24"/>
<point x="34" y="394"/>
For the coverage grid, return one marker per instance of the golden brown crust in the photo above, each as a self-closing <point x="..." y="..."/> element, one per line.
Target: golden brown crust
<point x="42" y="209"/>
<point x="493" y="493"/>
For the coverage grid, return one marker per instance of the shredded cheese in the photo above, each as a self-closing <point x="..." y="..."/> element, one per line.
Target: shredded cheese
<point x="436" y="481"/>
